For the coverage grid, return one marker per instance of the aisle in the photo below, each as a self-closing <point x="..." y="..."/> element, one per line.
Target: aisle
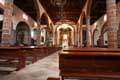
<point x="41" y="70"/>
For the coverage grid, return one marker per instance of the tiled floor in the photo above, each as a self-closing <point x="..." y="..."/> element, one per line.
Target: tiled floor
<point x="41" y="70"/>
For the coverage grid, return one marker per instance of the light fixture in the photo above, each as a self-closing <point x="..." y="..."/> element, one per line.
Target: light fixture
<point x="95" y="24"/>
<point x="35" y="24"/>
<point x="1" y="17"/>
<point x="25" y="16"/>
<point x="105" y="18"/>
<point x="2" y="2"/>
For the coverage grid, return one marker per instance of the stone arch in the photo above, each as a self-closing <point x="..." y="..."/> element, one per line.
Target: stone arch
<point x="46" y="29"/>
<point x="104" y="28"/>
<point x="51" y="27"/>
<point x="69" y="30"/>
<point x="89" y="5"/>
<point x="44" y="19"/>
<point x="83" y="30"/>
<point x="23" y="36"/>
<point x="36" y="5"/>
<point x="103" y="35"/>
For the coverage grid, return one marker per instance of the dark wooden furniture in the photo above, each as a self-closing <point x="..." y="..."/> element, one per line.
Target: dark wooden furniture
<point x="18" y="56"/>
<point x="95" y="63"/>
<point x="13" y="53"/>
<point x="37" y="52"/>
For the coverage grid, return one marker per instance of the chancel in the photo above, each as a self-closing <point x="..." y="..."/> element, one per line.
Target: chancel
<point x="59" y="39"/>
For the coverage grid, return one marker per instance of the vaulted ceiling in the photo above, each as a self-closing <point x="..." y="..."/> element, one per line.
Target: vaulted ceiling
<point x="71" y="11"/>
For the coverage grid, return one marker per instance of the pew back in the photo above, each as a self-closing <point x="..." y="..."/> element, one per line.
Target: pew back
<point x="90" y="63"/>
<point x="13" y="53"/>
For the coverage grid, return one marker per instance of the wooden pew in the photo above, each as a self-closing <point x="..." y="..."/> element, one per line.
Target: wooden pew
<point x="20" y="55"/>
<point x="29" y="52"/>
<point x="13" y="53"/>
<point x="37" y="52"/>
<point x="92" y="63"/>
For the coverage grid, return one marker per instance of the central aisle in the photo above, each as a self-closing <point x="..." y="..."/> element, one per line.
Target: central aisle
<point x="41" y="70"/>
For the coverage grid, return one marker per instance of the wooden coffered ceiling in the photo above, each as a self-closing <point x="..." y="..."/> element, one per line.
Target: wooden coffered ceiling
<point x="71" y="10"/>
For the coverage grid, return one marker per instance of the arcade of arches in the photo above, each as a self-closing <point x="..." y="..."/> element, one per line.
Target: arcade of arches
<point x="45" y="32"/>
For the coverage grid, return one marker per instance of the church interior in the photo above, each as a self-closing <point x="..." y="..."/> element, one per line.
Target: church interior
<point x="59" y="39"/>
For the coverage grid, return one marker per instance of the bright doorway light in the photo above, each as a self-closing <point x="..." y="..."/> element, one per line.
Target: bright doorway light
<point x="65" y="36"/>
<point x="32" y="34"/>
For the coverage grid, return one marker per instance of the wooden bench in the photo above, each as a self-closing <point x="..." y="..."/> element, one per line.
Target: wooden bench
<point x="13" y="53"/>
<point x="37" y="52"/>
<point x="17" y="56"/>
<point x="92" y="63"/>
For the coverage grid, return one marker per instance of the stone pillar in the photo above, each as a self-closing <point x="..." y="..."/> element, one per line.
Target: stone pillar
<point x="38" y="36"/>
<point x="88" y="37"/>
<point x="78" y="37"/>
<point x="47" y="36"/>
<point x="81" y="37"/>
<point x="75" y="38"/>
<point x="54" y="38"/>
<point x="7" y="23"/>
<point x="38" y="33"/>
<point x="112" y="23"/>
<point x="36" y="3"/>
<point x="101" y="41"/>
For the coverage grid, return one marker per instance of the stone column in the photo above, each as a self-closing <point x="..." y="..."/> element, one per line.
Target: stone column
<point x="7" y="23"/>
<point x="88" y="37"/>
<point x="81" y="37"/>
<point x="54" y="38"/>
<point x="36" y="3"/>
<point x="112" y="23"/>
<point x="75" y="38"/>
<point x="101" y="41"/>
<point x="78" y="37"/>
<point x="38" y="36"/>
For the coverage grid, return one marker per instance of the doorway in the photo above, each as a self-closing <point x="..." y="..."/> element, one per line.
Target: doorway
<point x="65" y="35"/>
